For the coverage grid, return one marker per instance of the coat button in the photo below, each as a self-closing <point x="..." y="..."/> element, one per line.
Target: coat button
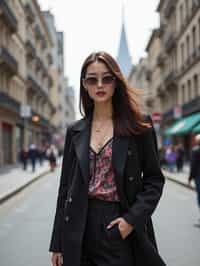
<point x="131" y="178"/>
<point x="67" y="218"/>
<point x="129" y="152"/>
<point x="70" y="199"/>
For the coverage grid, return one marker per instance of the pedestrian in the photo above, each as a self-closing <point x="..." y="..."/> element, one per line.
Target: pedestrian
<point x="179" y="157"/>
<point x="111" y="180"/>
<point x="41" y="154"/>
<point x="170" y="157"/>
<point x="32" y="155"/>
<point x="24" y="158"/>
<point x="52" y="154"/>
<point x="195" y="167"/>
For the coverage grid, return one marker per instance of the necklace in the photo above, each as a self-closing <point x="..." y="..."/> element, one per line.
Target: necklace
<point x="101" y="137"/>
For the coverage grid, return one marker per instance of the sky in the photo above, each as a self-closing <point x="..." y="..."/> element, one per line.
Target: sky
<point x="93" y="25"/>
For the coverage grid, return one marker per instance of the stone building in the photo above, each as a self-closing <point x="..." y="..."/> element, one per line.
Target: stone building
<point x="173" y="74"/>
<point x="26" y="109"/>
<point x="38" y="47"/>
<point x="12" y="78"/>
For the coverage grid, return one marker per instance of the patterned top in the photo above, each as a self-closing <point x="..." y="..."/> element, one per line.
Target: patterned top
<point x="102" y="184"/>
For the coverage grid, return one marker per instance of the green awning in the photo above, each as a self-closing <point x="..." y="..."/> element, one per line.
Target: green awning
<point x="183" y="125"/>
<point x="196" y="129"/>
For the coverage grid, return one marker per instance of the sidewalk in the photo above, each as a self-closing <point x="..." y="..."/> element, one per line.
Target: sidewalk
<point x="180" y="178"/>
<point x="14" y="179"/>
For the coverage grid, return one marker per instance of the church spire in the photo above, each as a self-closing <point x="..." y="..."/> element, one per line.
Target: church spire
<point x="124" y="58"/>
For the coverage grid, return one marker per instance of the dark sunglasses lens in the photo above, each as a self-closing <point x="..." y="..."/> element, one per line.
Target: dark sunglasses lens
<point x="91" y="81"/>
<point x="107" y="79"/>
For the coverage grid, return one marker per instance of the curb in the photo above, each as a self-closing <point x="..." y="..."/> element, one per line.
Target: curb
<point x="20" y="188"/>
<point x="180" y="183"/>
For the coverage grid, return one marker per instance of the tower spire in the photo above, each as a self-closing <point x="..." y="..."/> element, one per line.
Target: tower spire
<point x="124" y="58"/>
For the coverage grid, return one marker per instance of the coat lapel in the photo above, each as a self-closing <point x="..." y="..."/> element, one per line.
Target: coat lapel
<point x="81" y="142"/>
<point x="119" y="154"/>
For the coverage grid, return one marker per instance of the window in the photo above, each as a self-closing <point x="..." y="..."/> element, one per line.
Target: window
<point x="189" y="90"/>
<point x="181" y="14"/>
<point x="199" y="32"/>
<point x="196" y="84"/>
<point x="183" y="94"/>
<point x="182" y="54"/>
<point x="194" y="38"/>
<point x="188" y="45"/>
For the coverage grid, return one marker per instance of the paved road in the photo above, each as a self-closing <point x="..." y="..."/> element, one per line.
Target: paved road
<point x="177" y="228"/>
<point x="26" y="223"/>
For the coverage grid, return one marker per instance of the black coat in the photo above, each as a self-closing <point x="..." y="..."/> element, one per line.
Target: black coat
<point x="139" y="183"/>
<point x="195" y="163"/>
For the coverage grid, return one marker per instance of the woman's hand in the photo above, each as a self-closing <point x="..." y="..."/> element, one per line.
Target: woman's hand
<point x="124" y="227"/>
<point x="57" y="259"/>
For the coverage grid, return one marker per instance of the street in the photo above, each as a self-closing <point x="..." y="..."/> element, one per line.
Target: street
<point x="26" y="223"/>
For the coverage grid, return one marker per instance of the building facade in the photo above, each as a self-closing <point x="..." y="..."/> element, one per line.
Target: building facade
<point x="12" y="78"/>
<point x="29" y="98"/>
<point x="177" y="68"/>
<point x="39" y="80"/>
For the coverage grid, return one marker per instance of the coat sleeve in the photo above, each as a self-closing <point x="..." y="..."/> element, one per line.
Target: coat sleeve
<point x="55" y="244"/>
<point x="153" y="181"/>
<point x="193" y="166"/>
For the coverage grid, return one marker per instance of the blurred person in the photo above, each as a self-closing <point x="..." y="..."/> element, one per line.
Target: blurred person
<point x="104" y="206"/>
<point x="52" y="154"/>
<point x="195" y="167"/>
<point x="24" y="158"/>
<point x="162" y="156"/>
<point x="170" y="157"/>
<point x="41" y="154"/>
<point x="32" y="155"/>
<point x="179" y="157"/>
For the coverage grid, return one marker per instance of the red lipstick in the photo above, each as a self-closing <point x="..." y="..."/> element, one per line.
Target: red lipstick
<point x="100" y="93"/>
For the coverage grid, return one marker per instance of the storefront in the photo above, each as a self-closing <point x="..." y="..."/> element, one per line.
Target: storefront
<point x="183" y="131"/>
<point x="7" y="133"/>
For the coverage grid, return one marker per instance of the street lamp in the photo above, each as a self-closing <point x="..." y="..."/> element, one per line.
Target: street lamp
<point x="35" y="118"/>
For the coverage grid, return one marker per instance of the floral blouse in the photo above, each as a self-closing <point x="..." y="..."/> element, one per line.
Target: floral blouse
<point x="102" y="183"/>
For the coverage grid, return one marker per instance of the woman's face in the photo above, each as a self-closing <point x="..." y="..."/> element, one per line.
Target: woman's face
<point x="99" y="82"/>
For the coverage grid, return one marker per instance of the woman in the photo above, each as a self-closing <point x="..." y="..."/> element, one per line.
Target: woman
<point x="111" y="180"/>
<point x="52" y="154"/>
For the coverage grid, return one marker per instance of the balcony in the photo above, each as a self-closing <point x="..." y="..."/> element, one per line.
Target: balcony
<point x="170" y="7"/>
<point x="30" y="49"/>
<point x="35" y="87"/>
<point x="38" y="33"/>
<point x="161" y="30"/>
<point x="8" y="15"/>
<point x="160" y="60"/>
<point x="169" y="42"/>
<point x="29" y="13"/>
<point x="148" y="74"/>
<point x="9" y="103"/>
<point x="8" y="62"/>
<point x="39" y="64"/>
<point x="170" y="79"/>
<point x="50" y="59"/>
<point x="161" y="91"/>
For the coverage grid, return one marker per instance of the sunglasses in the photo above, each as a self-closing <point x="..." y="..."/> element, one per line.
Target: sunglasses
<point x="105" y="80"/>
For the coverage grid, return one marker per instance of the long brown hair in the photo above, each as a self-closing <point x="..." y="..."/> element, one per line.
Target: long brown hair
<point x="127" y="116"/>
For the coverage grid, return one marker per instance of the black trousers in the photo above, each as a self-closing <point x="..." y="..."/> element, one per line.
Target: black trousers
<point x="102" y="246"/>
